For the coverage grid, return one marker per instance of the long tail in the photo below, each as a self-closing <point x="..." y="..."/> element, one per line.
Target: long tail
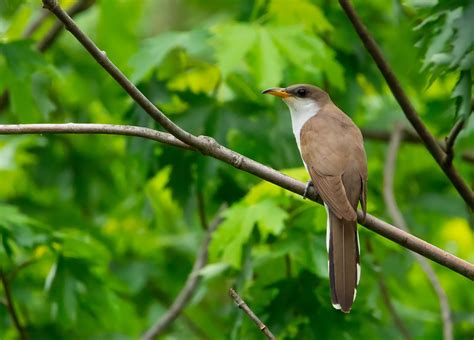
<point x="344" y="266"/>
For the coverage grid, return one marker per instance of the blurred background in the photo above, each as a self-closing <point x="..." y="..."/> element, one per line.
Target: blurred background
<point x="99" y="233"/>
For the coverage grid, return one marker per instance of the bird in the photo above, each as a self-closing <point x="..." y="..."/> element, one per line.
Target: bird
<point x="332" y="149"/>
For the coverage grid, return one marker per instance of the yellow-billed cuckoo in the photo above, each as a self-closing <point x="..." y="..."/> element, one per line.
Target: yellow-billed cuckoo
<point x="332" y="149"/>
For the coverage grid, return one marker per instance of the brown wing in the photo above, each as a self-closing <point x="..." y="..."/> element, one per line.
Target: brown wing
<point x="332" y="148"/>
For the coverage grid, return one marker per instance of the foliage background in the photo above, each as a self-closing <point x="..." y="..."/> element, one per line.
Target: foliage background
<point x="99" y="232"/>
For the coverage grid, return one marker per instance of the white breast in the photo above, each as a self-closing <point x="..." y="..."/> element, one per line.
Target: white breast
<point x="301" y="110"/>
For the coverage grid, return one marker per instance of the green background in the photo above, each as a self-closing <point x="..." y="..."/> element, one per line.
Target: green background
<point x="98" y="233"/>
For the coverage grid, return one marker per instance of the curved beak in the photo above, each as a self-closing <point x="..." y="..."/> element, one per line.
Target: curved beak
<point x="278" y="92"/>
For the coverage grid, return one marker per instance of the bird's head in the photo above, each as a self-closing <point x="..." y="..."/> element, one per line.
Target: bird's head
<point x="300" y="97"/>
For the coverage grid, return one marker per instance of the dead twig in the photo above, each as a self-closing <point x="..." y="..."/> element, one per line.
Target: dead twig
<point x="242" y="305"/>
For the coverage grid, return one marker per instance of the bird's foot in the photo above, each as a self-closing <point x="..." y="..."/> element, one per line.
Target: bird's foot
<point x="308" y="185"/>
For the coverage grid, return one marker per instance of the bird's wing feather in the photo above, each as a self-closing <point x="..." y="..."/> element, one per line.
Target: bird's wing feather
<point x="331" y="146"/>
<point x="333" y="193"/>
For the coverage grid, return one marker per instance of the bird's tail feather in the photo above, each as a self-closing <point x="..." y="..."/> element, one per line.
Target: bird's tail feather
<point x="344" y="266"/>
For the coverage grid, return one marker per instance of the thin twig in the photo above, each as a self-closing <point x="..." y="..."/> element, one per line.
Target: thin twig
<point x="189" y="287"/>
<point x="208" y="146"/>
<point x="430" y="142"/>
<point x="11" y="306"/>
<point x="386" y="295"/>
<point x="242" y="305"/>
<point x="451" y="139"/>
<point x="398" y="219"/>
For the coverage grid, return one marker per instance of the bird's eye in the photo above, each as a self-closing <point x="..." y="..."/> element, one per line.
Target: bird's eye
<point x="301" y="92"/>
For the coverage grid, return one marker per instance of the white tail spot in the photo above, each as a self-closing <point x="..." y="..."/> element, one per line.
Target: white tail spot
<point x="358" y="273"/>
<point x="328" y="228"/>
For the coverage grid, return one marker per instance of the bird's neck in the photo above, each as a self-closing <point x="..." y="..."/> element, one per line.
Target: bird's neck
<point x="301" y="111"/>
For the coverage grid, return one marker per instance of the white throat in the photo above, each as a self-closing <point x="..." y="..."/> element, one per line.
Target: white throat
<point x="301" y="110"/>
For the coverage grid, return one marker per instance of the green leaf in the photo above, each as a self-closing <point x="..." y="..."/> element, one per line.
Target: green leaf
<point x="463" y="95"/>
<point x="268" y="61"/>
<point x="152" y="53"/>
<point x="233" y="233"/>
<point x="117" y="29"/>
<point x="200" y="79"/>
<point x="269" y="217"/>
<point x="231" y="44"/>
<point x="464" y="38"/>
<point x="301" y="12"/>
<point x="228" y="240"/>
<point x="309" y="53"/>
<point x="213" y="270"/>
<point x="154" y="50"/>
<point x="22" y="68"/>
<point x="167" y="211"/>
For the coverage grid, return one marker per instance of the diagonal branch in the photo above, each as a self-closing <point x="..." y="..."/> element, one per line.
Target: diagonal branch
<point x="242" y="305"/>
<point x="430" y="142"/>
<point x="210" y="147"/>
<point x="200" y="143"/>
<point x="190" y="286"/>
<point x="397" y="217"/>
<point x="259" y="170"/>
<point x="11" y="307"/>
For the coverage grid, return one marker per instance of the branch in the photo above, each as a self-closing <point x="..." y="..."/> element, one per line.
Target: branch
<point x="410" y="136"/>
<point x="189" y="287"/>
<point x="397" y="217"/>
<point x="259" y="170"/>
<point x="430" y="142"/>
<point x="210" y="147"/>
<point x="451" y="138"/>
<point x="11" y="306"/>
<point x="200" y="143"/>
<point x="242" y="305"/>
<point x="102" y="129"/>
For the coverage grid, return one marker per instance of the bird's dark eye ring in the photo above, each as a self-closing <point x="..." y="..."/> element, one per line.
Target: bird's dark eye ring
<point x="301" y="92"/>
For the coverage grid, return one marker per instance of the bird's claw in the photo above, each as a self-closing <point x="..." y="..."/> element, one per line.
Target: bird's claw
<point x="308" y="185"/>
